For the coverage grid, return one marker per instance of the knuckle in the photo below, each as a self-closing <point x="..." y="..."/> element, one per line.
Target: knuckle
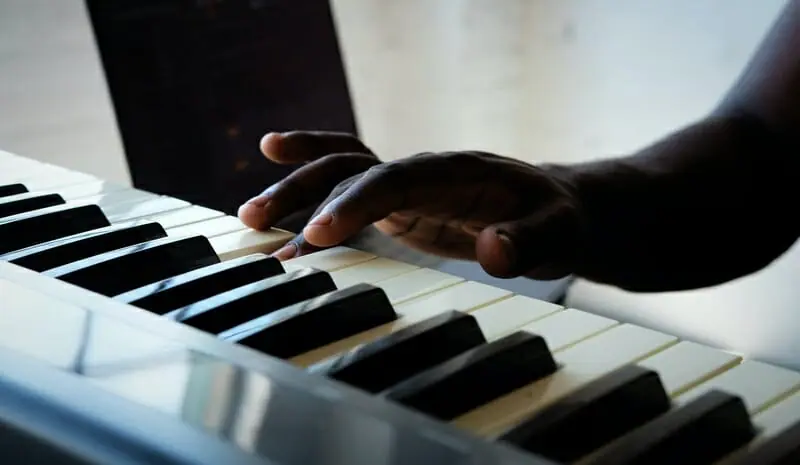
<point x="346" y="184"/>
<point x="288" y="186"/>
<point x="465" y="159"/>
<point x="388" y="172"/>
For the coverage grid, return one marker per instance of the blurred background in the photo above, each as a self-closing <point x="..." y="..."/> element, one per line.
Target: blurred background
<point x="137" y="91"/>
<point x="555" y="80"/>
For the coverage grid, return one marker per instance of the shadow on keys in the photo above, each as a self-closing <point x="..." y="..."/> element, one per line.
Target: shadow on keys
<point x="373" y="241"/>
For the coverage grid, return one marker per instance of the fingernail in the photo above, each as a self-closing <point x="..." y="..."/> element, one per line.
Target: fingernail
<point x="508" y="246"/>
<point x="472" y="229"/>
<point x="286" y="252"/>
<point x="323" y="219"/>
<point x="258" y="201"/>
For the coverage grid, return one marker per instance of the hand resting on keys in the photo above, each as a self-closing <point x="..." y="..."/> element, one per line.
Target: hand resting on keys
<point x="512" y="217"/>
<point x="698" y="207"/>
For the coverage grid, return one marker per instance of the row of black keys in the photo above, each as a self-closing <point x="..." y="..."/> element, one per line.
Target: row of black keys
<point x="443" y="367"/>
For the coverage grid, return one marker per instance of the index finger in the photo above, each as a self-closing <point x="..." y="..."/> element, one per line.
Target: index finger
<point x="387" y="188"/>
<point x="304" y="146"/>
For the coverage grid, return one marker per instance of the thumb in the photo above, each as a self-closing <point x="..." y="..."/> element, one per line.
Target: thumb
<point x="543" y="245"/>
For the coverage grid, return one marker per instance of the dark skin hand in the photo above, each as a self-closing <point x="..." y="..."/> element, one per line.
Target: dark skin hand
<point x="492" y="209"/>
<point x="709" y="203"/>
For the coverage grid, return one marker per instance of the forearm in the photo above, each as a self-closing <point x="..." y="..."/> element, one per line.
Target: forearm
<point x="712" y="202"/>
<point x="708" y="204"/>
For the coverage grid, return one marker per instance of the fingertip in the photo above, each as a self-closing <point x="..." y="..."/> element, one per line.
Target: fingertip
<point x="495" y="252"/>
<point x="253" y="214"/>
<point x="319" y="235"/>
<point x="286" y="252"/>
<point x="271" y="145"/>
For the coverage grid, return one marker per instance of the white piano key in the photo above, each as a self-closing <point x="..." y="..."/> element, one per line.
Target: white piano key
<point x="568" y="327"/>
<point x="115" y="200"/>
<point x="184" y="216"/>
<point x="499" y="319"/>
<point x="89" y="189"/>
<point x="778" y="416"/>
<point x="580" y="364"/>
<point x="134" y="209"/>
<point x="757" y="383"/>
<point x="27" y="172"/>
<point x="687" y="364"/>
<point x="57" y="180"/>
<point x="371" y="271"/>
<point x="335" y="258"/>
<point x="9" y="159"/>
<point x="469" y="295"/>
<point x="420" y="282"/>
<point x="248" y="241"/>
<point x="209" y="228"/>
<point x="465" y="296"/>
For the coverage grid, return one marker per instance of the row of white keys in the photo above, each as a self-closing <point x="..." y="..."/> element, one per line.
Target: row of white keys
<point x="90" y="189"/>
<point x="495" y="312"/>
<point x="121" y="204"/>
<point x="10" y="159"/>
<point x="209" y="228"/>
<point x="23" y="169"/>
<point x="579" y="364"/>
<point x="141" y="207"/>
<point x="39" y="177"/>
<point x="227" y="235"/>
<point x="424" y="293"/>
<point x="415" y="293"/>
<point x="176" y="218"/>
<point x="454" y="297"/>
<point x="758" y="384"/>
<point x="248" y="241"/>
<point x="587" y="345"/>
<point x="687" y="370"/>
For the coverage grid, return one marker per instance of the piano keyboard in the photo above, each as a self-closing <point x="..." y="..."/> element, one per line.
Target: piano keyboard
<point x="472" y="368"/>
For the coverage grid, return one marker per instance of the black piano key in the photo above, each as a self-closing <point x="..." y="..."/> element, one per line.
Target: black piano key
<point x="382" y="363"/>
<point x="185" y="289"/>
<point x="114" y="272"/>
<point x="700" y="432"/>
<point x="316" y="322"/>
<point x="593" y="416"/>
<point x="12" y="189"/>
<point x="476" y="377"/>
<point x="22" y="203"/>
<point x="237" y="306"/>
<point x="781" y="449"/>
<point x="31" y="228"/>
<point x="58" y="252"/>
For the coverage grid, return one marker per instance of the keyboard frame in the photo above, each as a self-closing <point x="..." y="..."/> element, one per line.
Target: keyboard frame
<point x="41" y="401"/>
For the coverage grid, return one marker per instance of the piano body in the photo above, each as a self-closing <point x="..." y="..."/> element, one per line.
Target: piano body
<point x="139" y="328"/>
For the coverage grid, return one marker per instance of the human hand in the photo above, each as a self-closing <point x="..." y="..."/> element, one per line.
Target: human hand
<point x="512" y="217"/>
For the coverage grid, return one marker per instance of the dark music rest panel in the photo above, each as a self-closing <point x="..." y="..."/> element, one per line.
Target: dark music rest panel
<point x="196" y="83"/>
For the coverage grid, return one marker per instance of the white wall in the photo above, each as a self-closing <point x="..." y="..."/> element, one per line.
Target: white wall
<point x="535" y="79"/>
<point x="53" y="101"/>
<point x="541" y="79"/>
